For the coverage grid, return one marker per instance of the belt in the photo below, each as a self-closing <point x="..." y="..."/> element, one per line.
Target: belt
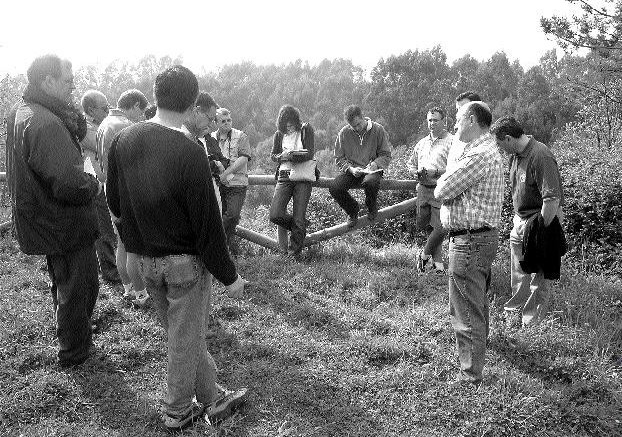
<point x="429" y="186"/>
<point x="456" y="232"/>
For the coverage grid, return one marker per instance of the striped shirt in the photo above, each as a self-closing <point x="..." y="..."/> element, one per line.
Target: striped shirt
<point x="472" y="190"/>
<point x="430" y="154"/>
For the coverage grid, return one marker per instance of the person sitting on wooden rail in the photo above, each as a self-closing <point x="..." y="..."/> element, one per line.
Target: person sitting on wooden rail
<point x="362" y="152"/>
<point x="293" y="146"/>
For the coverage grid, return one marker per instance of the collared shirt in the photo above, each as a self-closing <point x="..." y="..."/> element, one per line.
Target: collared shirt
<point x="430" y="154"/>
<point x="114" y="123"/>
<point x="89" y="143"/>
<point x="472" y="190"/>
<point x="535" y="177"/>
<point x="232" y="146"/>
<point x="455" y="152"/>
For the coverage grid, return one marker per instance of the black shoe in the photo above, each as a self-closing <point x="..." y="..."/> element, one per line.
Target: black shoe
<point x="353" y="220"/>
<point x="372" y="213"/>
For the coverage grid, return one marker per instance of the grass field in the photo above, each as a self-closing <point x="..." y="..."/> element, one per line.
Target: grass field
<point x="350" y="342"/>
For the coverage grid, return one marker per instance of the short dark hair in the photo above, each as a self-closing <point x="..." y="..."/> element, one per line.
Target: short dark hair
<point x="481" y="113"/>
<point x="150" y="112"/>
<point x="352" y="112"/>
<point x="507" y="126"/>
<point x="130" y="97"/>
<point x="439" y="110"/>
<point x="46" y="65"/>
<point x="469" y="95"/>
<point x="205" y="102"/>
<point x="89" y="100"/>
<point x="176" y="89"/>
<point x="288" y="114"/>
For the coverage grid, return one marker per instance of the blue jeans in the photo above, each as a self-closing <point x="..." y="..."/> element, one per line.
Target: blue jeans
<point x="178" y="285"/>
<point x="345" y="181"/>
<point x="294" y="222"/>
<point x="470" y="259"/>
<point x="232" y="199"/>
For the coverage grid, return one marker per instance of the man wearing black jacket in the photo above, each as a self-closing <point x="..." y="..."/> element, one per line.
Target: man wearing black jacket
<point x="536" y="190"/>
<point x="52" y="196"/>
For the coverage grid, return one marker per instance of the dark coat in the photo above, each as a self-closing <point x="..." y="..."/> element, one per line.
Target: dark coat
<point x="543" y="247"/>
<point x="51" y="195"/>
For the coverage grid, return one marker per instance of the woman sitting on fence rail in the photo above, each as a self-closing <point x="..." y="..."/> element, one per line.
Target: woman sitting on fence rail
<point x="293" y="149"/>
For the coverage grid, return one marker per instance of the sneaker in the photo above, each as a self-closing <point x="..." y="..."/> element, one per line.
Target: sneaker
<point x="439" y="267"/>
<point x="140" y="298"/>
<point x="224" y="406"/>
<point x="176" y="422"/>
<point x="353" y="220"/>
<point x="422" y="261"/>
<point x="129" y="294"/>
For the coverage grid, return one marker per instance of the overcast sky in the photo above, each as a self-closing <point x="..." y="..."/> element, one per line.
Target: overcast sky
<point x="208" y="34"/>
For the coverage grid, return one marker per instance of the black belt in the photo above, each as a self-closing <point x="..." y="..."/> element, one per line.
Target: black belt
<point x="456" y="232"/>
<point x="429" y="186"/>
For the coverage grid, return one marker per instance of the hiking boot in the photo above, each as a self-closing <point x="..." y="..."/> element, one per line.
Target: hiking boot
<point x="225" y="405"/>
<point x="422" y="261"/>
<point x="177" y="422"/>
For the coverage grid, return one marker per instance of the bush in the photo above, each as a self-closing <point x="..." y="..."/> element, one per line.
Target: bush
<point x="593" y="201"/>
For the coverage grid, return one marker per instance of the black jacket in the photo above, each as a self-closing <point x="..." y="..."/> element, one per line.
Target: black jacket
<point x="51" y="195"/>
<point x="543" y="247"/>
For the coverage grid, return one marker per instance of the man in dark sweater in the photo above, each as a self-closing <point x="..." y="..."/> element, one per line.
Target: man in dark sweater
<point x="536" y="189"/>
<point x="53" y="199"/>
<point x="160" y="186"/>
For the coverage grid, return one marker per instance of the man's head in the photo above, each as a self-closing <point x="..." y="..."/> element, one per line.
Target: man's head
<point x="95" y="105"/>
<point x="201" y="120"/>
<point x="133" y="103"/>
<point x="507" y="132"/>
<point x="436" y="121"/>
<point x="52" y="75"/>
<point x="466" y="97"/>
<point x="472" y="121"/>
<point x="176" y="89"/>
<point x="354" y="116"/>
<point x="224" y="121"/>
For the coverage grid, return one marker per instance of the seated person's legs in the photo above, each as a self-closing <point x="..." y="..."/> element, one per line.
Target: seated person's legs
<point x="371" y="184"/>
<point x="339" y="191"/>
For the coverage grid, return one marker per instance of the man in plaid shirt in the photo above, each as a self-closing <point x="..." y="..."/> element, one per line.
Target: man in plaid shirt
<point x="471" y="193"/>
<point x="428" y="162"/>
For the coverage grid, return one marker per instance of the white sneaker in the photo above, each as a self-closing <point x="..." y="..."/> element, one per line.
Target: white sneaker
<point x="225" y="405"/>
<point x="140" y="298"/>
<point x="129" y="293"/>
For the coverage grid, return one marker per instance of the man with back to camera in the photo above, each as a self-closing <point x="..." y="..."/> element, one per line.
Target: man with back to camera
<point x="95" y="106"/>
<point x="236" y="150"/>
<point x="53" y="197"/>
<point x="471" y="193"/>
<point x="362" y="151"/>
<point x="174" y="225"/>
<point x="537" y="194"/>
<point x="428" y="162"/>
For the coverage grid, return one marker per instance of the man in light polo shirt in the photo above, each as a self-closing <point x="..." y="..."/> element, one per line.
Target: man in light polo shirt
<point x="236" y="150"/>
<point x="536" y="189"/>
<point x="428" y="162"/>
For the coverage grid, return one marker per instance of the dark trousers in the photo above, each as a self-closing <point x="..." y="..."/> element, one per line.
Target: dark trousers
<point x="232" y="201"/>
<point x="106" y="243"/>
<point x="294" y="222"/>
<point x="75" y="286"/>
<point x="345" y="181"/>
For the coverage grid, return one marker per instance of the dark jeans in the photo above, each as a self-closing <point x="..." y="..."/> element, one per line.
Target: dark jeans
<point x="295" y="222"/>
<point x="106" y="243"/>
<point x="345" y="181"/>
<point x="232" y="201"/>
<point x="75" y="286"/>
<point x="470" y="259"/>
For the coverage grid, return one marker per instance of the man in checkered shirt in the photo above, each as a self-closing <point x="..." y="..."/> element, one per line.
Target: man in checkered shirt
<point x="428" y="162"/>
<point x="471" y="193"/>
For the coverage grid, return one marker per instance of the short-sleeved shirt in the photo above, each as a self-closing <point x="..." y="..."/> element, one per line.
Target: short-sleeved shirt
<point x="535" y="177"/>
<point x="234" y="145"/>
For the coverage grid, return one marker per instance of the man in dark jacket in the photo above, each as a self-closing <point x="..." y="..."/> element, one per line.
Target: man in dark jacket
<point x="536" y="190"/>
<point x="52" y="197"/>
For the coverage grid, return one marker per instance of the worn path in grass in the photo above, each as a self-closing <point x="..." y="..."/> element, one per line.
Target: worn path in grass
<point x="349" y="342"/>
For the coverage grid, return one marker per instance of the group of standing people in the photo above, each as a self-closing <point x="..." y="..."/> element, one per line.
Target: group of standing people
<point x="173" y="233"/>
